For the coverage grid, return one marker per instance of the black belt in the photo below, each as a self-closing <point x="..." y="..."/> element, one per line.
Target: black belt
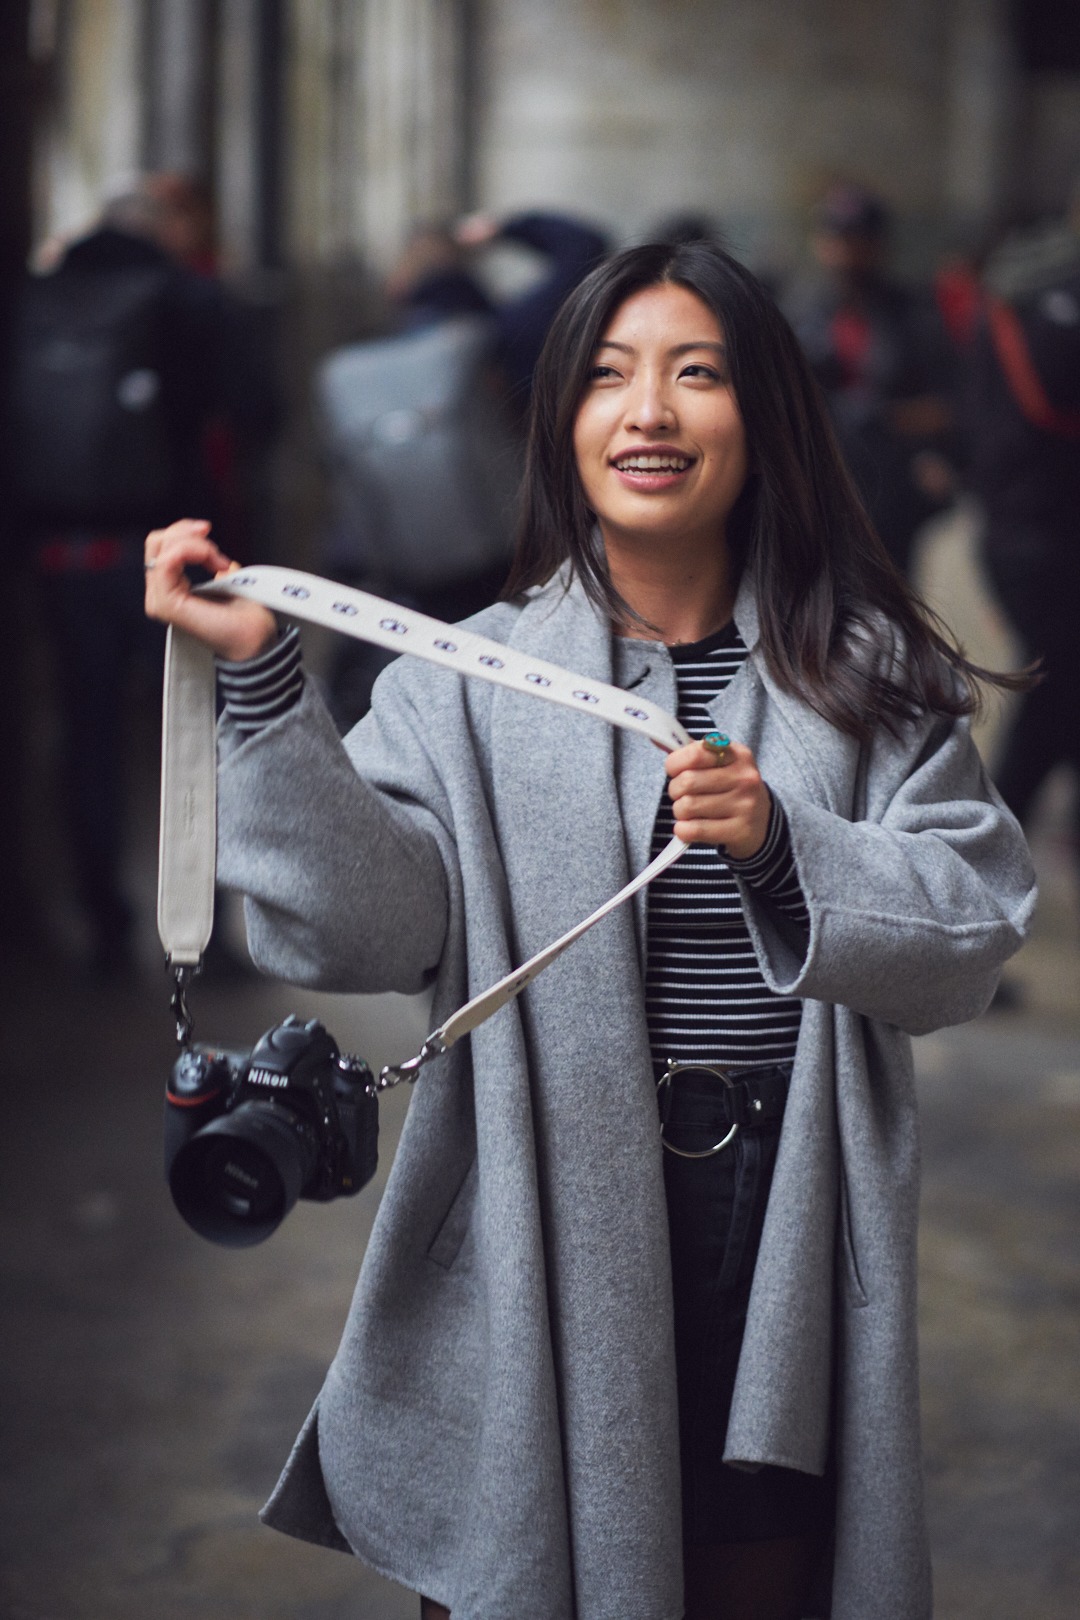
<point x="707" y="1098"/>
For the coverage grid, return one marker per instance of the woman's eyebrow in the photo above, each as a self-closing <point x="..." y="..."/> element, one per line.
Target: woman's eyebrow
<point x="705" y="343"/>
<point x="679" y="348"/>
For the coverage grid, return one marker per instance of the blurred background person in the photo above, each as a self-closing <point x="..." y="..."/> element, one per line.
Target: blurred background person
<point x="120" y="357"/>
<point x="183" y="219"/>
<point x="881" y="354"/>
<point x="422" y="430"/>
<point x="440" y="274"/>
<point x="1021" y="419"/>
<point x="957" y="288"/>
<point x="699" y="225"/>
<point x="237" y="437"/>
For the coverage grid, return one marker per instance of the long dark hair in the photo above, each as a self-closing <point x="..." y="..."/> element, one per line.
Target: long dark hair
<point x="822" y="577"/>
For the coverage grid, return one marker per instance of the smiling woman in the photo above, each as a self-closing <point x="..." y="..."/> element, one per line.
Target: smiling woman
<point x="634" y="1338"/>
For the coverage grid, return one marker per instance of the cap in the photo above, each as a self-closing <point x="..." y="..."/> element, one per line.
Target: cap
<point x="847" y="210"/>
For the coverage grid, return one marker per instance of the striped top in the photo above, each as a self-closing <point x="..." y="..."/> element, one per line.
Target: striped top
<point x="706" y="1000"/>
<point x="259" y="690"/>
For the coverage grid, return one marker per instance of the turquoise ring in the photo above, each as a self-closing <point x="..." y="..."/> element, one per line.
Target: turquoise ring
<point x="719" y="743"/>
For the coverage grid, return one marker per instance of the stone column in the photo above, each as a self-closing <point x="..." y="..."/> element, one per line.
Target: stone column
<point x="984" y="124"/>
<point x="89" y="136"/>
<point x="378" y="119"/>
<point x="178" y="124"/>
<point x="252" y="132"/>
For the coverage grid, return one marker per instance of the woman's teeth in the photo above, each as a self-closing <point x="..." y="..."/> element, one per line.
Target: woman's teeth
<point x="653" y="463"/>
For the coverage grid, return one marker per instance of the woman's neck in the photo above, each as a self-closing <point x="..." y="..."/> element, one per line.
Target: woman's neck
<point x="687" y="598"/>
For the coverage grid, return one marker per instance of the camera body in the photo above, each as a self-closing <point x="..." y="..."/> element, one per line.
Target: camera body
<point x="248" y="1133"/>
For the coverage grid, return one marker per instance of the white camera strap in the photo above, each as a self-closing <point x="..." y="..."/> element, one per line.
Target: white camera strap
<point x="187" y="855"/>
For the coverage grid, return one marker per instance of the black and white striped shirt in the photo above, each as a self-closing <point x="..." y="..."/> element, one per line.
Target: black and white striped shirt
<point x="259" y="690"/>
<point x="706" y="1000"/>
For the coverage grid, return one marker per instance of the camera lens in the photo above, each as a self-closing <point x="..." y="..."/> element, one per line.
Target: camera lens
<point x="235" y="1181"/>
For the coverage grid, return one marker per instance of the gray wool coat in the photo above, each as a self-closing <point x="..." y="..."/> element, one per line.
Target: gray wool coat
<point x="498" y="1428"/>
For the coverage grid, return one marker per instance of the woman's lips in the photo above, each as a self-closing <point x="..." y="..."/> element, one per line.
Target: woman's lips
<point x="651" y="471"/>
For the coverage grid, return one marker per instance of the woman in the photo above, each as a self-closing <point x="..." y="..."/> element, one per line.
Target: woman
<point x="533" y="1377"/>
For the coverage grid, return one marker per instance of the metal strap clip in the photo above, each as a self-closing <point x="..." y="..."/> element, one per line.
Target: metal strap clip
<point x="396" y="1074"/>
<point x="183" y="973"/>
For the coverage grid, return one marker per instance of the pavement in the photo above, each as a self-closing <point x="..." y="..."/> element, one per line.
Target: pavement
<point x="153" y="1383"/>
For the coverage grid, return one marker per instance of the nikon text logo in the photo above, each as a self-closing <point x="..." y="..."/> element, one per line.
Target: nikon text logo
<point x="267" y="1077"/>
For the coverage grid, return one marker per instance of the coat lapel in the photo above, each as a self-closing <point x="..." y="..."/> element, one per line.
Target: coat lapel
<point x="797" y="751"/>
<point x="554" y="774"/>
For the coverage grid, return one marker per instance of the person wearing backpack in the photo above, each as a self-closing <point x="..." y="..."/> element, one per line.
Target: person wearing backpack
<point x="422" y="430"/>
<point x="116" y="360"/>
<point x="1022" y="426"/>
<point x="879" y="351"/>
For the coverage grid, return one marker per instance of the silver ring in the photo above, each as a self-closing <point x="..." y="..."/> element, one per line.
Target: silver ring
<point x="666" y="1078"/>
<point x="150" y="563"/>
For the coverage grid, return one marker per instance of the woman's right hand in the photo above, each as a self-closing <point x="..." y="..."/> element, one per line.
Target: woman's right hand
<point x="235" y="629"/>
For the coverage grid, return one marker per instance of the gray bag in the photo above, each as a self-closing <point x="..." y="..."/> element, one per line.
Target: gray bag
<point x="423" y="458"/>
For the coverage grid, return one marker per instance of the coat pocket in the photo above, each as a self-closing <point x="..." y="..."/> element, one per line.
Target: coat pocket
<point x="445" y="1246"/>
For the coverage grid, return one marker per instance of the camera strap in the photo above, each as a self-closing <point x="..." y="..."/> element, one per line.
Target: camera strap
<point x="187" y="853"/>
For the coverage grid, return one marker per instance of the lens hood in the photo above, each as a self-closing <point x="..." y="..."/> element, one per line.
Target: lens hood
<point x="235" y="1181"/>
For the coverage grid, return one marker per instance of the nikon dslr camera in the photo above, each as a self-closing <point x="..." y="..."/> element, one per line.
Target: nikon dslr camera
<point x="248" y="1133"/>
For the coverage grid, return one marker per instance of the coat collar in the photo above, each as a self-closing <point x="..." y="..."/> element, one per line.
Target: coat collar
<point x="565" y="586"/>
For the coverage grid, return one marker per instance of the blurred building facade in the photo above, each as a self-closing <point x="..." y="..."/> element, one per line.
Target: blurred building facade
<point x="326" y="128"/>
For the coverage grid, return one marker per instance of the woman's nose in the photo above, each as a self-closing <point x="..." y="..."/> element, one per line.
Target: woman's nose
<point x="650" y="409"/>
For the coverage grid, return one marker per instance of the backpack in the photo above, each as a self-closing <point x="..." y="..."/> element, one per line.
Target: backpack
<point x="1032" y="304"/>
<point x="89" y="438"/>
<point x="422" y="455"/>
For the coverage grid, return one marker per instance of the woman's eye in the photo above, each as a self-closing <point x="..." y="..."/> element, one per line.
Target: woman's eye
<point x="600" y="373"/>
<point x="699" y="369"/>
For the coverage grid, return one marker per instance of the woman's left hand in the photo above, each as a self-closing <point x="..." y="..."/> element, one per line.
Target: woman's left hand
<point x="719" y="798"/>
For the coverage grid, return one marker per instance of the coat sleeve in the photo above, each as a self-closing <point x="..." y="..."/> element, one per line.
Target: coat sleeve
<point x="914" y="909"/>
<point x="344" y="851"/>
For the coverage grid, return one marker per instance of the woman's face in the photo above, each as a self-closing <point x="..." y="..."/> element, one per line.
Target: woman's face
<point x="658" y="439"/>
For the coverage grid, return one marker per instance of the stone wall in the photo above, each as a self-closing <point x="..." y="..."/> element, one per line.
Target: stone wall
<point x="629" y="110"/>
<point x="90" y="125"/>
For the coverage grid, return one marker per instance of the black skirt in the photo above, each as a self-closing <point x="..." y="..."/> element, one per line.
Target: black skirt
<point x="716" y="1211"/>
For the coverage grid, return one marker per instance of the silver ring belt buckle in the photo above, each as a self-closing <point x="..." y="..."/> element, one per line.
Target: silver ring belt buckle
<point x="673" y="1069"/>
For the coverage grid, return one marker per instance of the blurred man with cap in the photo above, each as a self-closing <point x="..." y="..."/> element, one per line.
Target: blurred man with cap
<point x="880" y="353"/>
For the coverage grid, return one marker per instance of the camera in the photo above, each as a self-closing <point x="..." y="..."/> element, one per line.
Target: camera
<point x="248" y="1133"/>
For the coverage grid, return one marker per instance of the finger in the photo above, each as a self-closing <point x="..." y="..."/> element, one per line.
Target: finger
<point x="158" y="538"/>
<point x="717" y="832"/>
<point x="181" y="551"/>
<point x="681" y="759"/>
<point x="700" y="756"/>
<point x="721" y="780"/>
<point x="692" y="806"/>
